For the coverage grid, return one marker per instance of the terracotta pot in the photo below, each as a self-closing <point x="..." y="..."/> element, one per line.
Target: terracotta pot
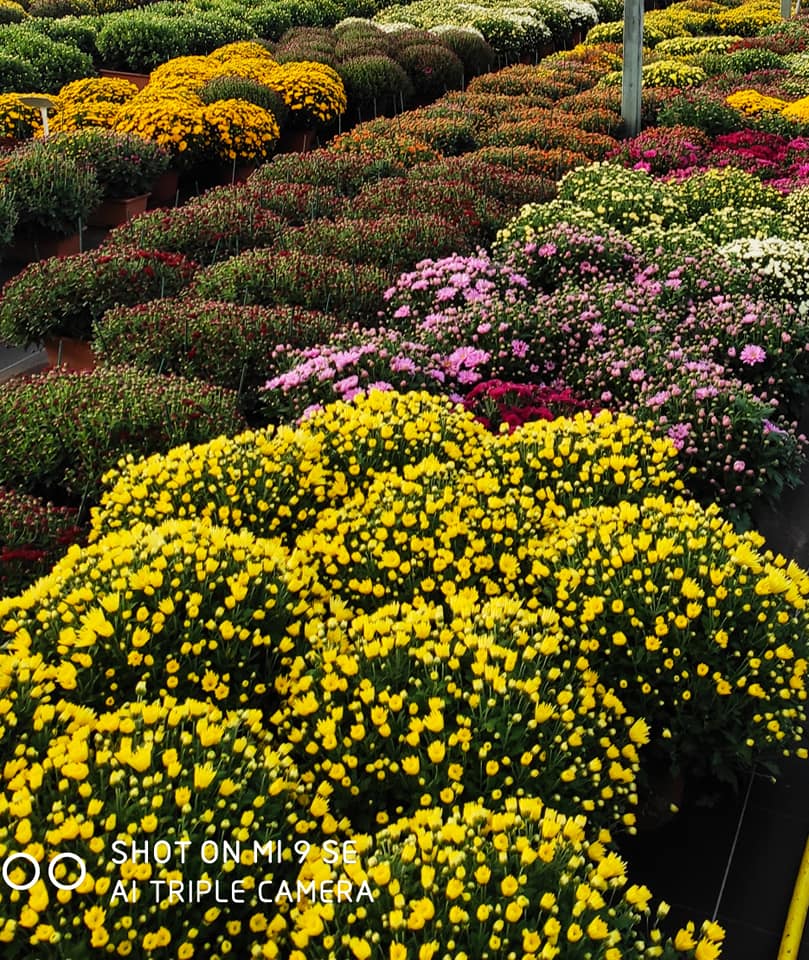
<point x="164" y="190"/>
<point x="26" y="250"/>
<point x="111" y="213"/>
<point x="139" y="79"/>
<point x="297" y="141"/>
<point x="70" y="353"/>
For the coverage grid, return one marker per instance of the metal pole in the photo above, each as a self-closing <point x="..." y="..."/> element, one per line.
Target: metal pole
<point x="633" y="65"/>
<point x="786" y="9"/>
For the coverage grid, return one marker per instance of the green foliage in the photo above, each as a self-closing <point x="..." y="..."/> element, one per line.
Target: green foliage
<point x="220" y="224"/>
<point x="697" y="109"/>
<point x="268" y="278"/>
<point x="241" y="88"/>
<point x="54" y="64"/>
<point x="373" y="80"/>
<point x="614" y="33"/>
<point x="52" y="193"/>
<point x="16" y="74"/>
<point x="226" y="344"/>
<point x="78" y="31"/>
<point x="311" y="13"/>
<point x="471" y="48"/>
<point x="200" y="33"/>
<point x="62" y="8"/>
<point x="124" y="164"/>
<point x="11" y="12"/>
<point x="432" y="68"/>
<point x="138" y="41"/>
<point x="714" y="189"/>
<point x="623" y="198"/>
<point x="796" y="211"/>
<point x="8" y="216"/>
<point x="62" y="297"/>
<point x="65" y="430"/>
<point x="269" y="20"/>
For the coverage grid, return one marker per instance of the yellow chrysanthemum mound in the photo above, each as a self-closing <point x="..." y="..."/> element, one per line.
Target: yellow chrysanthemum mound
<point x="92" y="102"/>
<point x="799" y="110"/>
<point x="84" y="790"/>
<point x="76" y="115"/>
<point x="181" y="74"/>
<point x="288" y="475"/>
<point x="122" y="626"/>
<point x="313" y="91"/>
<point x="16" y="119"/>
<point x="243" y="130"/>
<point x="97" y="90"/>
<point x="243" y="49"/>
<point x="176" y="121"/>
<point x="521" y="882"/>
<point x="407" y="705"/>
<point x="751" y="102"/>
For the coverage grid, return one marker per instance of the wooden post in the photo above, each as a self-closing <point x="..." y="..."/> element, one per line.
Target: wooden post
<point x="633" y="65"/>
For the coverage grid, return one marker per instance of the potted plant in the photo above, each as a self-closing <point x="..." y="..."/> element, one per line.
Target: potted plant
<point x="56" y="301"/>
<point x="54" y="196"/>
<point x="15" y="73"/>
<point x="219" y="224"/>
<point x="236" y="87"/>
<point x="374" y="84"/>
<point x="135" y="42"/>
<point x="125" y="166"/>
<point x="244" y="135"/>
<point x="228" y="344"/>
<point x="53" y="64"/>
<point x="314" y="94"/>
<point x="471" y="48"/>
<point x="433" y="68"/>
<point x="65" y="429"/>
<point x="175" y="120"/>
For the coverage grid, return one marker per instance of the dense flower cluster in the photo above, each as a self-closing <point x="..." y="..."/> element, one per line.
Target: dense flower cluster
<point x="313" y="91"/>
<point x="244" y="131"/>
<point x="526" y="881"/>
<point x="33" y="534"/>
<point x="176" y="122"/>
<point x="16" y="119"/>
<point x="83" y="781"/>
<point x="96" y="90"/>
<point x="401" y="667"/>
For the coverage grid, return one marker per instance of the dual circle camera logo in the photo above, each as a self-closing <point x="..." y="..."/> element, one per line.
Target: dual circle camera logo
<point x="13" y="858"/>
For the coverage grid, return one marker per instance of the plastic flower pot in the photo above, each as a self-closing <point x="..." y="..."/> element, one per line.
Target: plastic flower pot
<point x="70" y="353"/>
<point x="28" y="249"/>
<point x="164" y="189"/>
<point x="112" y="213"/>
<point x="139" y="79"/>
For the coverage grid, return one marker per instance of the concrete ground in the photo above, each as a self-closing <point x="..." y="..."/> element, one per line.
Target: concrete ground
<point x="14" y="362"/>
